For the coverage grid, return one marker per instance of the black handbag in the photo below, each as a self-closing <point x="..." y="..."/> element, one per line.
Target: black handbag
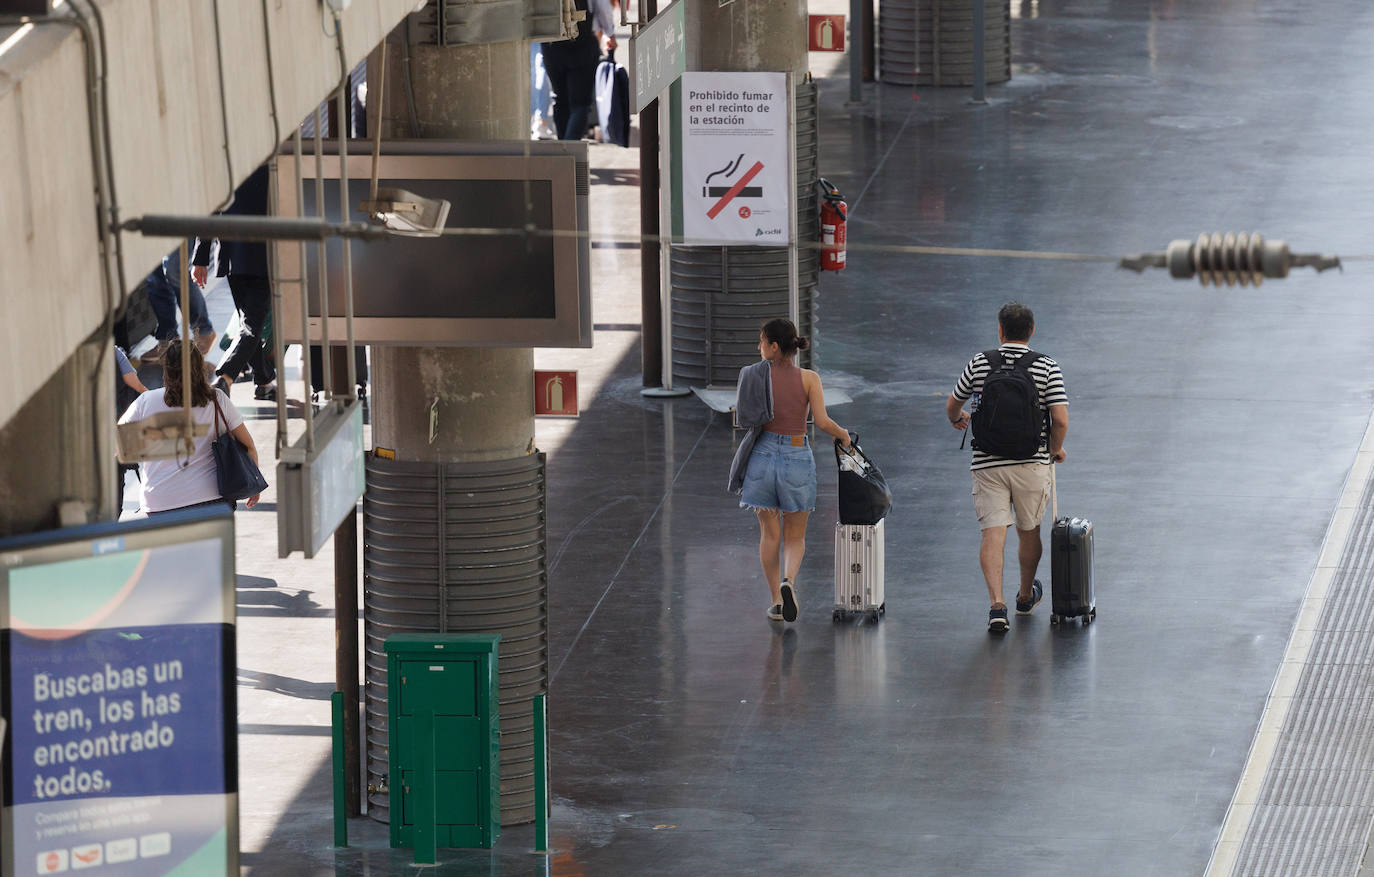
<point x="237" y="476"/>
<point x="864" y="495"/>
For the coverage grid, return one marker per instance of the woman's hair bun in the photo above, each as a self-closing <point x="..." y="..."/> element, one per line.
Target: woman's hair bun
<point x="803" y="342"/>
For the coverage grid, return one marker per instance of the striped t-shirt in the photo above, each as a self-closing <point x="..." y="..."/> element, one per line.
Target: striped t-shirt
<point x="1050" y="381"/>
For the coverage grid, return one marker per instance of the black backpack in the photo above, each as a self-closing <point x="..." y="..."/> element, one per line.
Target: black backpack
<point x="1009" y="419"/>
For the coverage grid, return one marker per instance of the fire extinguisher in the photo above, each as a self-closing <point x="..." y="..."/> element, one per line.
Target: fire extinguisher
<point x="834" y="212"/>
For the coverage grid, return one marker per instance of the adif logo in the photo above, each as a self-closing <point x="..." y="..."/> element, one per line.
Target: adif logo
<point x="760" y="232"/>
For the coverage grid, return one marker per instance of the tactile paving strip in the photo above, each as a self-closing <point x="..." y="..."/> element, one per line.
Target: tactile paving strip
<point x="1316" y="805"/>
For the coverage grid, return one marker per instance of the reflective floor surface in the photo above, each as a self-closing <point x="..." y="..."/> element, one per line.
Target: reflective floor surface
<point x="1210" y="435"/>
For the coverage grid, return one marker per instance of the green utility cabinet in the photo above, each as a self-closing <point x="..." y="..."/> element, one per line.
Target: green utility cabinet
<point x="444" y="739"/>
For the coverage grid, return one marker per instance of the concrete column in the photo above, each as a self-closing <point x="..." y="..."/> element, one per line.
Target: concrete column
<point x="443" y="405"/>
<point x="485" y="402"/>
<point x="59" y="447"/>
<point x="761" y="35"/>
<point x="485" y="396"/>
<point x="712" y="334"/>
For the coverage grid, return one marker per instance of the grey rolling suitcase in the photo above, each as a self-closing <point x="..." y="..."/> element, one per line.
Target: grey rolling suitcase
<point x="859" y="571"/>
<point x="1071" y="565"/>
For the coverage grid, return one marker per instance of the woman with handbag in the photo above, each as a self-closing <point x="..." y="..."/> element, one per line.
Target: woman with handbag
<point x="775" y="475"/>
<point x="194" y="480"/>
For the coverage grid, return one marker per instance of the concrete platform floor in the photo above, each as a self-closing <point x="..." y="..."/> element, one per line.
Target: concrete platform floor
<point x="1211" y="431"/>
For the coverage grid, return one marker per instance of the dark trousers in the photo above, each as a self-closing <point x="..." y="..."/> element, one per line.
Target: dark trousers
<point x="574" y="95"/>
<point x="317" y="368"/>
<point x="253" y="298"/>
<point x="164" y="294"/>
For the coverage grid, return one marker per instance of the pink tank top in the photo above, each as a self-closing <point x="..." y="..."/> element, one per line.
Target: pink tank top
<point x="790" y="405"/>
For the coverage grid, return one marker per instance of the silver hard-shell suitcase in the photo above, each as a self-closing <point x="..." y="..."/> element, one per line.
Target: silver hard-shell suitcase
<point x="859" y="571"/>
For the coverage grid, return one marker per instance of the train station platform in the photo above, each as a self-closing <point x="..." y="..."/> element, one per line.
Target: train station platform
<point x="1216" y="716"/>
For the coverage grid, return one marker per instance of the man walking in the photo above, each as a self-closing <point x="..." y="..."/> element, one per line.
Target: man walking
<point x="245" y="262"/>
<point x="571" y="68"/>
<point x="1019" y="422"/>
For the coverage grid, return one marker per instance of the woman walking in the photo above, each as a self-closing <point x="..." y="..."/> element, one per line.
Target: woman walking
<point x="778" y="481"/>
<point x="186" y="482"/>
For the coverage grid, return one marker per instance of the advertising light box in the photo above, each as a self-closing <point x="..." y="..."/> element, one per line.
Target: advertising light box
<point x="117" y="687"/>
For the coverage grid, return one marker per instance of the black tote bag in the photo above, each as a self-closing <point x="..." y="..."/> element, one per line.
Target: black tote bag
<point x="237" y="475"/>
<point x="864" y="496"/>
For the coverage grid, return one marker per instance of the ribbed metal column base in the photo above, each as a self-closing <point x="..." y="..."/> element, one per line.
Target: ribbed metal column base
<point x="936" y="36"/>
<point x="459" y="548"/>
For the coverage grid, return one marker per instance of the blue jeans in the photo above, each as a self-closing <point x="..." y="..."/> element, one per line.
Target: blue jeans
<point x="541" y="93"/>
<point x="780" y="475"/>
<point x="164" y="292"/>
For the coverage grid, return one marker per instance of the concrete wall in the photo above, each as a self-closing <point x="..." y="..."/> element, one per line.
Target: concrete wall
<point x="172" y="149"/>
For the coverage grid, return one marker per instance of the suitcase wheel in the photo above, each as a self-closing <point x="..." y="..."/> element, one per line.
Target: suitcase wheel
<point x="837" y="615"/>
<point x="1054" y="621"/>
<point x="882" y="610"/>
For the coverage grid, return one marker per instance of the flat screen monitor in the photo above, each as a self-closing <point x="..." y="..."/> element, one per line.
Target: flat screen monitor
<point x="522" y="282"/>
<point x="117" y="684"/>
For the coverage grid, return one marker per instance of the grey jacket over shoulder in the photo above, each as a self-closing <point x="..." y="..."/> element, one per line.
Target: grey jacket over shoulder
<point x="753" y="408"/>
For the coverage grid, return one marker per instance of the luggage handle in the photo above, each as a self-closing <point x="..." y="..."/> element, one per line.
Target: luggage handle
<point x="1054" y="497"/>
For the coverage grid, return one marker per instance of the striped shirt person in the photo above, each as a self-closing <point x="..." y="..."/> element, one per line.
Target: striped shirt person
<point x="1013" y="491"/>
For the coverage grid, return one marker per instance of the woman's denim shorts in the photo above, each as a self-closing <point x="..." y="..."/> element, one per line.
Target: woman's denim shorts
<point x="780" y="475"/>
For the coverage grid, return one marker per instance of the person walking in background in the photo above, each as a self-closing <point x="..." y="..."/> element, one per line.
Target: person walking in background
<point x="188" y="481"/>
<point x="1018" y="433"/>
<point x="571" y="68"/>
<point x="541" y="98"/>
<point x="164" y="294"/>
<point x="127" y="390"/>
<point x="245" y="263"/>
<point x="774" y="472"/>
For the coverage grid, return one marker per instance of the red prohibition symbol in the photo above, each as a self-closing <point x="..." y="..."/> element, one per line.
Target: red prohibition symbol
<point x="744" y="212"/>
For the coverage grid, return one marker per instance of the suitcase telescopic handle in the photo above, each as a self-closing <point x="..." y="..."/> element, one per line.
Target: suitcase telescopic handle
<point x="1054" y="497"/>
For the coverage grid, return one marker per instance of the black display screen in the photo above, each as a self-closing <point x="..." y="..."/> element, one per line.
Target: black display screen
<point x="452" y="276"/>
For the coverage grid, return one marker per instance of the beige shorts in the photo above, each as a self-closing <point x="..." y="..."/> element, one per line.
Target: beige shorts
<point x="1018" y="494"/>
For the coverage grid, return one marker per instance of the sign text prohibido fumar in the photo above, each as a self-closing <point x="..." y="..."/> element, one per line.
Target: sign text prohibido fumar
<point x="737" y="183"/>
<point x="116" y="679"/>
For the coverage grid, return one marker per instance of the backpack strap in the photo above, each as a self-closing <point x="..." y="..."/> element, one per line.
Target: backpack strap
<point x="996" y="361"/>
<point x="1028" y="359"/>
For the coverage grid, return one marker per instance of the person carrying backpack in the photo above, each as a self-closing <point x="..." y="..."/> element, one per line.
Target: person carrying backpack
<point x="1019" y="422"/>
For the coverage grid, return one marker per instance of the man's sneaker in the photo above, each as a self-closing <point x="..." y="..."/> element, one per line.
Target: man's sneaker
<point x="1024" y="607"/>
<point x="267" y="392"/>
<point x="775" y="612"/>
<point x="222" y="385"/>
<point x="789" y="601"/>
<point x="997" y="619"/>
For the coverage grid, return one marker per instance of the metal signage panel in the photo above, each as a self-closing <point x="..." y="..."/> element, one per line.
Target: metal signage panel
<point x="117" y="655"/>
<point x="512" y="268"/>
<point x="734" y="163"/>
<point x="658" y="54"/>
<point x="317" y="489"/>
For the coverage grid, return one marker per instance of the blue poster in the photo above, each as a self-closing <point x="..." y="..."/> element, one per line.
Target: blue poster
<point x="122" y="751"/>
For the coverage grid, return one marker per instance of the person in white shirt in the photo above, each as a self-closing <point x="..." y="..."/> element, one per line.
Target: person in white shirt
<point x="191" y="481"/>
